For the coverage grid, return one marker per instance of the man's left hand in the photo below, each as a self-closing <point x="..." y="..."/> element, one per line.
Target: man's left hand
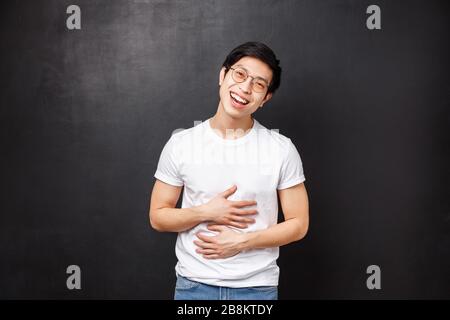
<point x="226" y="243"/>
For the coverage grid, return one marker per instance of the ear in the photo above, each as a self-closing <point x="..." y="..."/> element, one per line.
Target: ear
<point x="266" y="98"/>
<point x="221" y="75"/>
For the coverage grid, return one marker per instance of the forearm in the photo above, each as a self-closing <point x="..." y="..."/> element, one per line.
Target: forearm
<point x="278" y="235"/>
<point x="176" y="219"/>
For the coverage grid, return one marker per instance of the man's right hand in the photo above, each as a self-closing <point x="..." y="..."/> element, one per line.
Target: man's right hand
<point x="220" y="210"/>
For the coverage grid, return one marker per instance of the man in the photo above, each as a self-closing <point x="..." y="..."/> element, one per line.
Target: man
<point x="232" y="169"/>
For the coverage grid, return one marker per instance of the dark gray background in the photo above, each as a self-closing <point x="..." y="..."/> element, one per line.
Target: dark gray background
<point x="85" y="114"/>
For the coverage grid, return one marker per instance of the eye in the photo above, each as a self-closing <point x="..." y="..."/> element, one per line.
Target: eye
<point x="260" y="85"/>
<point x="240" y="73"/>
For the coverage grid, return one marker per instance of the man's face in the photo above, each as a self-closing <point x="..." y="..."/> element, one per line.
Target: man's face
<point x="239" y="99"/>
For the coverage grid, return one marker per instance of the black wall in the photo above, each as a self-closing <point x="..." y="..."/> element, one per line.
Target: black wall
<point x="85" y="114"/>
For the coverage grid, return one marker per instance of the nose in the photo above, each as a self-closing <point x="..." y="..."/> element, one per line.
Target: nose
<point x="246" y="85"/>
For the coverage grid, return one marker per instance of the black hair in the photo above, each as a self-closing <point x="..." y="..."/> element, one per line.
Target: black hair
<point x="259" y="51"/>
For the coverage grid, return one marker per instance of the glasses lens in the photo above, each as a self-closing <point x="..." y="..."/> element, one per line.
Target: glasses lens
<point x="259" y="86"/>
<point x="239" y="75"/>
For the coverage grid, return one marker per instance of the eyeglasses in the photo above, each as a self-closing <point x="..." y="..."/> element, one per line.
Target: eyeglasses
<point x="240" y="75"/>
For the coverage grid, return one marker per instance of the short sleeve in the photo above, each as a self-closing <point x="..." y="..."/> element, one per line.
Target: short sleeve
<point x="291" y="172"/>
<point x="168" y="167"/>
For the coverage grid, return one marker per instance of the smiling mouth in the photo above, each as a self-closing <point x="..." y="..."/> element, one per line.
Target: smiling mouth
<point x="238" y="99"/>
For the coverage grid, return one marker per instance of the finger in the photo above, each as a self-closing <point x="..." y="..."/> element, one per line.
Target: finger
<point x="230" y="223"/>
<point x="243" y="203"/>
<point x="245" y="212"/>
<point x="211" y="256"/>
<point x="242" y="219"/>
<point x="238" y="225"/>
<point x="206" y="251"/>
<point x="205" y="238"/>
<point x="229" y="191"/>
<point x="216" y="227"/>
<point x="204" y="245"/>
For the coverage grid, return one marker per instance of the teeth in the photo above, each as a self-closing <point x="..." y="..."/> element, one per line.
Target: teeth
<point x="235" y="96"/>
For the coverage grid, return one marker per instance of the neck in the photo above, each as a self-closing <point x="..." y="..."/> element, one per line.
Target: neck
<point x="229" y="127"/>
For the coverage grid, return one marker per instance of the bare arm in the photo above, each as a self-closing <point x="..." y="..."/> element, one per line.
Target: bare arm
<point x="165" y="217"/>
<point x="163" y="214"/>
<point x="295" y="206"/>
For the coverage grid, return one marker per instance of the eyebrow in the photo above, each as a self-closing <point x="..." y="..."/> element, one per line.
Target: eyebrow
<point x="258" y="77"/>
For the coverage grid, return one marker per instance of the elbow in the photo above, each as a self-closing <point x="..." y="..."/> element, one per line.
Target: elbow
<point x="154" y="225"/>
<point x="154" y="222"/>
<point x="302" y="230"/>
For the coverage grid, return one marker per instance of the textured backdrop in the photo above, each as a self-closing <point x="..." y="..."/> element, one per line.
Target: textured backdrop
<point x="85" y="114"/>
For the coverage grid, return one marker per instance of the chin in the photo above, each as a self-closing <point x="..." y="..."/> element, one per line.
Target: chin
<point x="233" y="113"/>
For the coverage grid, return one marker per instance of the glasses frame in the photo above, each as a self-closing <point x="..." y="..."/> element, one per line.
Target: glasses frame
<point x="249" y="76"/>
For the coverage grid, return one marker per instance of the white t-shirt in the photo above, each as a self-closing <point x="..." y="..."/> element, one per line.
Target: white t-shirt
<point x="258" y="163"/>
